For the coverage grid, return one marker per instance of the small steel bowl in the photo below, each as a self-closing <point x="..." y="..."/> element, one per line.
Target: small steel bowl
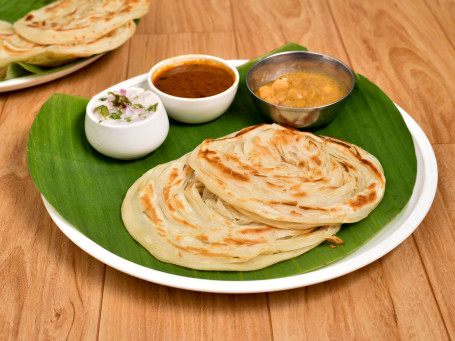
<point x="270" y="68"/>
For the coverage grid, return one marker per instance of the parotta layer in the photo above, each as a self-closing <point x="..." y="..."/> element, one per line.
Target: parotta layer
<point x="289" y="178"/>
<point x="78" y="21"/>
<point x="14" y="48"/>
<point x="68" y="29"/>
<point x="179" y="221"/>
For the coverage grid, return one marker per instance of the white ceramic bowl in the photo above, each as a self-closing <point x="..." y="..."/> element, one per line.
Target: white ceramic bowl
<point x="130" y="140"/>
<point x="194" y="110"/>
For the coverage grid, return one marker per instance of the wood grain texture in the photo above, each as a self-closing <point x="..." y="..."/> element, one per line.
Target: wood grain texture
<point x="435" y="237"/>
<point x="261" y="28"/>
<point x="180" y="16"/>
<point x="46" y="282"/>
<point x="408" y="285"/>
<point x="139" y="310"/>
<point x="327" y="309"/>
<point x="51" y="289"/>
<point x="383" y="294"/>
<point x="399" y="53"/>
<point x="444" y="12"/>
<point x="110" y="69"/>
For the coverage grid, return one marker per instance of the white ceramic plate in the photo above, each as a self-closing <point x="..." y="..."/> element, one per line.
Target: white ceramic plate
<point x="32" y="80"/>
<point x="383" y="242"/>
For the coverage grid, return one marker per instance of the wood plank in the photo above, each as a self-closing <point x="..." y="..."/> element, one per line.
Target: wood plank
<point x="136" y="309"/>
<point x="435" y="237"/>
<point x="180" y="16"/>
<point x="60" y="286"/>
<point x="147" y="50"/>
<point x="150" y="49"/>
<point x="110" y="69"/>
<point x="262" y="26"/>
<point x="444" y="11"/>
<point x="403" y="56"/>
<point x="50" y="288"/>
<point x="377" y="302"/>
<point x="220" y="44"/>
<point x="415" y="306"/>
<point x="417" y="76"/>
<point x="336" y="310"/>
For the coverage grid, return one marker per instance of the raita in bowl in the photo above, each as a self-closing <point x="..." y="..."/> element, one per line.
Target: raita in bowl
<point x="126" y="123"/>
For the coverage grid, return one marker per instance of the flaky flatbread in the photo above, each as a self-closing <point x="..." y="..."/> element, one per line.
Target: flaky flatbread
<point x="179" y="221"/>
<point x="251" y="199"/>
<point x="289" y="178"/>
<point x="13" y="48"/>
<point x="6" y="30"/>
<point x="77" y="21"/>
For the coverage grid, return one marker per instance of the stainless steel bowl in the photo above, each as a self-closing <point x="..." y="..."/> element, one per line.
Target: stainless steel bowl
<point x="274" y="66"/>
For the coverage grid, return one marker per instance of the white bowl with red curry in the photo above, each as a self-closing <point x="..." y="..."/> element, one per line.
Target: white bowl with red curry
<point x="194" y="88"/>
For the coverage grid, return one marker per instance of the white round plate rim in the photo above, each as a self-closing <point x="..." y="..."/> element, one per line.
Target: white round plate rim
<point x="36" y="79"/>
<point x="392" y="235"/>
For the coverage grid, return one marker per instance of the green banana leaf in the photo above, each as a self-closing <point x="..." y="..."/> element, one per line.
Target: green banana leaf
<point x="12" y="11"/>
<point x="87" y="188"/>
<point x="17" y="70"/>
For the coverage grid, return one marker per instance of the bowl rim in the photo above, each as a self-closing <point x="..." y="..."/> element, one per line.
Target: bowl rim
<point x="196" y="56"/>
<point x="153" y="116"/>
<point x="318" y="54"/>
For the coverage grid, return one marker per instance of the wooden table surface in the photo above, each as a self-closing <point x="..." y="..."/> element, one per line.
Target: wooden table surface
<point x="51" y="289"/>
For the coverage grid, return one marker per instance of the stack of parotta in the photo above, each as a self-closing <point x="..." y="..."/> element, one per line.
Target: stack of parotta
<point x="68" y="29"/>
<point x="253" y="198"/>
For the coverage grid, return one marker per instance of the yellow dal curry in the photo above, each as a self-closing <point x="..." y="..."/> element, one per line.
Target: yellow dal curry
<point x="303" y="89"/>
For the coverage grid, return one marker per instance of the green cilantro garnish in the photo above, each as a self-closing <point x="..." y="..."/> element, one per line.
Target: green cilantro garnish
<point x="152" y="107"/>
<point x="102" y="110"/>
<point x="119" y="100"/>
<point x="138" y="105"/>
<point x="115" y="116"/>
<point x="128" y="119"/>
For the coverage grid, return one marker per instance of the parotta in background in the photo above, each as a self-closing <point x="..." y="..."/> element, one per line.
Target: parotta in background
<point x="251" y="199"/>
<point x="13" y="48"/>
<point x="78" y="21"/>
<point x="65" y="30"/>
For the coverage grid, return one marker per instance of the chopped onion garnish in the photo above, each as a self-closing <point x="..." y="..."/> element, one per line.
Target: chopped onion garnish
<point x="125" y="106"/>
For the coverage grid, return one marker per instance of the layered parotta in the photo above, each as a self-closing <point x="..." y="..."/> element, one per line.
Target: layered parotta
<point x="56" y="34"/>
<point x="290" y="178"/>
<point x="251" y="199"/>
<point x="6" y="30"/>
<point x="78" y="21"/>
<point x="178" y="220"/>
<point x="13" y="48"/>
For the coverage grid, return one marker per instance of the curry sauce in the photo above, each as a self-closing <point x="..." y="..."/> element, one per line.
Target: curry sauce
<point x="303" y="89"/>
<point x="194" y="79"/>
